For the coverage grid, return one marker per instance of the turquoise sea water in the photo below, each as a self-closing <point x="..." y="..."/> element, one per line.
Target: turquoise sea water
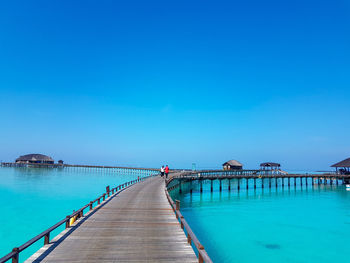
<point x="33" y="199"/>
<point x="302" y="224"/>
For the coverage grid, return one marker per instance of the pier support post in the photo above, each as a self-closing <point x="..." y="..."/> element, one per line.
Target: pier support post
<point x="331" y="181"/>
<point x="262" y="182"/>
<point x="301" y="181"/>
<point x="306" y="181"/>
<point x="180" y="188"/>
<point x="229" y="184"/>
<point x="254" y="183"/>
<point x="201" y="185"/>
<point x="247" y="183"/>
<point x="282" y="182"/>
<point x="220" y="185"/>
<point x="270" y="182"/>
<point x="288" y="181"/>
<point x="295" y="181"/>
<point x="211" y="185"/>
<point x="238" y="184"/>
<point x="276" y="181"/>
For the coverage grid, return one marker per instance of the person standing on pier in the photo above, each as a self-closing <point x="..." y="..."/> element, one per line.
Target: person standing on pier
<point x="162" y="171"/>
<point x="166" y="172"/>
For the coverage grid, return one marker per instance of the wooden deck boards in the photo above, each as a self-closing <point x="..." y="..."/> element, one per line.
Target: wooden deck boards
<point x="137" y="225"/>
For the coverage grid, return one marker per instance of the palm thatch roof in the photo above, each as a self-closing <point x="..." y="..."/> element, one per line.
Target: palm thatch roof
<point x="344" y="163"/>
<point x="233" y="163"/>
<point x="34" y="157"/>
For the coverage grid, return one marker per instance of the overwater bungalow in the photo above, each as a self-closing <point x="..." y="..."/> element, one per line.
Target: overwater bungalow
<point x="35" y="158"/>
<point x="342" y="167"/>
<point x="232" y="165"/>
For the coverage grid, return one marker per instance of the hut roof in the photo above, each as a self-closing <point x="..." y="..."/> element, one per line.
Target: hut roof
<point x="344" y="163"/>
<point x="233" y="163"/>
<point x="34" y="157"/>
<point x="270" y="164"/>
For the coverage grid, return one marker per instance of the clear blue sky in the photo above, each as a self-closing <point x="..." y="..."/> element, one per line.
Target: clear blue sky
<point x="151" y="82"/>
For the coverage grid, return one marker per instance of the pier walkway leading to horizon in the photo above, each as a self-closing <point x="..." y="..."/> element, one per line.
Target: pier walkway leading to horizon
<point x="137" y="225"/>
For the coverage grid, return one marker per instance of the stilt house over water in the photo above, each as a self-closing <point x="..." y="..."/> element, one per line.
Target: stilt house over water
<point x="342" y="167"/>
<point x="232" y="165"/>
<point x="35" y="158"/>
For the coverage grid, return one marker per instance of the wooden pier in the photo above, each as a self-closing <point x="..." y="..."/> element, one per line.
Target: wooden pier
<point x="249" y="179"/>
<point x="138" y="225"/>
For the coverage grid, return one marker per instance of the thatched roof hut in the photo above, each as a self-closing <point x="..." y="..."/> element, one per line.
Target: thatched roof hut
<point x="35" y="158"/>
<point x="232" y="165"/>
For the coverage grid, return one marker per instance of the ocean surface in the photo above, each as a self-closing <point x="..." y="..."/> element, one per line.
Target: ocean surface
<point x="33" y="199"/>
<point x="306" y="224"/>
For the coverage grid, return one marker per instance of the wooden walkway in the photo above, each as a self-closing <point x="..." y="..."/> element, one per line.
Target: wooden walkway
<point x="138" y="225"/>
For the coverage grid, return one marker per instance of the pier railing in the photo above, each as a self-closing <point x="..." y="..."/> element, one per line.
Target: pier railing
<point x="69" y="220"/>
<point x="191" y="237"/>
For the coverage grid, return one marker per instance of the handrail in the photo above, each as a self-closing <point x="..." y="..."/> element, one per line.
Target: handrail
<point x="14" y="255"/>
<point x="191" y="237"/>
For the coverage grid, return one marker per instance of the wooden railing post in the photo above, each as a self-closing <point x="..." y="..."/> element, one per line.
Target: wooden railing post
<point x="67" y="221"/>
<point x="200" y="258"/>
<point x="90" y="205"/>
<point x="16" y="256"/>
<point x="104" y="197"/>
<point x="177" y="204"/>
<point x="107" y="190"/>
<point x="189" y="239"/>
<point x="182" y="224"/>
<point x="47" y="239"/>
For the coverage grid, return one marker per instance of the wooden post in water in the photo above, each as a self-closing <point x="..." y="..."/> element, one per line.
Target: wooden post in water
<point x="254" y="183"/>
<point x="262" y="182"/>
<point x="238" y="184"/>
<point x="180" y="189"/>
<point x="288" y="182"/>
<point x="282" y="182"/>
<point x="295" y="182"/>
<point x="269" y="182"/>
<point x="306" y="180"/>
<point x="220" y="185"/>
<point x="211" y="185"/>
<point x="229" y="184"/>
<point x="247" y="183"/>
<point x="276" y="181"/>
<point x="201" y="186"/>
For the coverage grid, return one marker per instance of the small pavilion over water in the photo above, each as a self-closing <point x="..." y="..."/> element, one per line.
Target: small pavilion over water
<point x="270" y="167"/>
<point x="342" y="167"/>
